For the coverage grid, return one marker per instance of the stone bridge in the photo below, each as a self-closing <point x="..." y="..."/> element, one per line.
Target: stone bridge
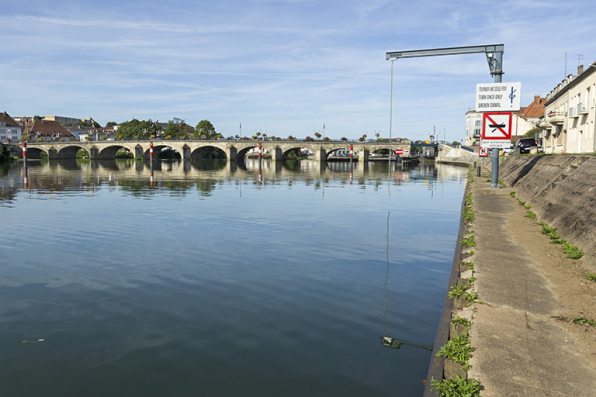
<point x="188" y="149"/>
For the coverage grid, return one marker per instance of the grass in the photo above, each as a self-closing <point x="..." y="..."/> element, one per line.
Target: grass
<point x="530" y="215"/>
<point x="502" y="184"/>
<point x="469" y="242"/>
<point x="571" y="251"/>
<point x="458" y="387"/>
<point x="527" y="206"/>
<point x="522" y="203"/>
<point x="512" y="194"/>
<point x="584" y="321"/>
<point x="591" y="276"/>
<point x="458" y="350"/>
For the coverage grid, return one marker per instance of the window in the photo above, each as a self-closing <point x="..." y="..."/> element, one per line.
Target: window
<point x="477" y="123"/>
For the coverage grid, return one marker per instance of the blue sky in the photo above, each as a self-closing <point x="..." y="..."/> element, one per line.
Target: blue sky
<point x="281" y="66"/>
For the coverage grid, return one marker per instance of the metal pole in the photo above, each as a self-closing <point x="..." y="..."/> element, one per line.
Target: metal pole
<point x="390" y="113"/>
<point x="351" y="153"/>
<point x="151" y="151"/>
<point x="494" y="181"/>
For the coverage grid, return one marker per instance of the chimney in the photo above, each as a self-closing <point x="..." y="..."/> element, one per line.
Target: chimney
<point x="580" y="69"/>
<point x="537" y="99"/>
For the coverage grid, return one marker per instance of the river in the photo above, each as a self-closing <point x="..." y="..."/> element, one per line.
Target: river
<point x="219" y="279"/>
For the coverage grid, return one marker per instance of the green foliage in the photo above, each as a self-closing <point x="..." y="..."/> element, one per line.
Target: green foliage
<point x="137" y="129"/>
<point x="124" y="154"/>
<point x="501" y="183"/>
<point x="522" y="203"/>
<point x="591" y="276"/>
<point x="532" y="132"/>
<point x="571" y="251"/>
<point x="469" y="215"/>
<point x="462" y="321"/>
<point x="111" y="123"/>
<point x="458" y="350"/>
<point x="527" y="206"/>
<point x="458" y="387"/>
<point x="470" y="265"/>
<point x="530" y="215"/>
<point x="460" y="291"/>
<point x="551" y="232"/>
<point x="5" y="156"/>
<point x="584" y="321"/>
<point x="512" y="194"/>
<point x="469" y="242"/>
<point x="205" y="130"/>
<point x="177" y="128"/>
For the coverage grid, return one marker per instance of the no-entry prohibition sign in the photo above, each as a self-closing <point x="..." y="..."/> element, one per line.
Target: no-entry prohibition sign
<point x="496" y="125"/>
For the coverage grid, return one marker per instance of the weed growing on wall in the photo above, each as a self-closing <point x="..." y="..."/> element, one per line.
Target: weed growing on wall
<point x="458" y="350"/>
<point x="584" y="321"/>
<point x="459" y="386"/>
<point x="571" y="251"/>
<point x="469" y="242"/>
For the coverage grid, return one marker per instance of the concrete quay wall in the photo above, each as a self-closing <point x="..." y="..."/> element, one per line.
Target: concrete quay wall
<point x="562" y="192"/>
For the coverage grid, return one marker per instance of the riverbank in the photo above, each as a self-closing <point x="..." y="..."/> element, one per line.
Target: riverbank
<point x="524" y="292"/>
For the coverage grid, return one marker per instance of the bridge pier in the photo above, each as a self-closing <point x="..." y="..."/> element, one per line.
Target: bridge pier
<point x="320" y="155"/>
<point x="53" y="154"/>
<point x="231" y="153"/>
<point x="186" y="152"/>
<point x="363" y="155"/>
<point x="139" y="152"/>
<point x="276" y="154"/>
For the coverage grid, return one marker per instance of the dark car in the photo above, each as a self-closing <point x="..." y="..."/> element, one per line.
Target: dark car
<point x="524" y="144"/>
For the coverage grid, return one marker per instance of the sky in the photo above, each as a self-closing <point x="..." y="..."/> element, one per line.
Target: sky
<point x="283" y="67"/>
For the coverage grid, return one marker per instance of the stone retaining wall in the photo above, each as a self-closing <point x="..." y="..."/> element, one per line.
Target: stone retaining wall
<point x="562" y="192"/>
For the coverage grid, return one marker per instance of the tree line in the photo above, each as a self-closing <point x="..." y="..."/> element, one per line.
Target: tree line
<point x="175" y="129"/>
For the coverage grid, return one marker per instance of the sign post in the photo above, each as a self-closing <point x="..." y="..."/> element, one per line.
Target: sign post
<point x="497" y="100"/>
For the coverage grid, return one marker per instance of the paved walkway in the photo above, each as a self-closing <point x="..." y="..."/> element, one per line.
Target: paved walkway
<point x="525" y="344"/>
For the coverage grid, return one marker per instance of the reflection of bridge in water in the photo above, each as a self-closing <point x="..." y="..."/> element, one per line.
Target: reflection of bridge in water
<point x="139" y="177"/>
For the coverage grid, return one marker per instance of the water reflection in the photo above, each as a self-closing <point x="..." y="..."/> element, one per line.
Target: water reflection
<point x="281" y="275"/>
<point x="143" y="178"/>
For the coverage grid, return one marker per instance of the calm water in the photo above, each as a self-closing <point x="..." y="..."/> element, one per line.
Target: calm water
<point x="222" y="280"/>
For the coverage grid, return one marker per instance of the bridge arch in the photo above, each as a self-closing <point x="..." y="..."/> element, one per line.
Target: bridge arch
<point x="70" y="151"/>
<point x="205" y="152"/>
<point x="35" y="153"/>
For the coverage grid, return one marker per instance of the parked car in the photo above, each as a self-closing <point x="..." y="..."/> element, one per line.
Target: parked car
<point x="524" y="144"/>
<point x="509" y="149"/>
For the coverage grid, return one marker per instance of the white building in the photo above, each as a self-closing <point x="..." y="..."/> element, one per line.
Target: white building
<point x="568" y="123"/>
<point x="10" y="130"/>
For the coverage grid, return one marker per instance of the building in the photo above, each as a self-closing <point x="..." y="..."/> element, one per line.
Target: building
<point x="67" y="121"/>
<point x="473" y="127"/>
<point x="569" y="114"/>
<point x="46" y="130"/>
<point x="98" y="134"/>
<point x="10" y="130"/>
<point x="523" y="121"/>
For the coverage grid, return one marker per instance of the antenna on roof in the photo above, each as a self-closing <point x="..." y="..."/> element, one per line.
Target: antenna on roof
<point x="579" y="58"/>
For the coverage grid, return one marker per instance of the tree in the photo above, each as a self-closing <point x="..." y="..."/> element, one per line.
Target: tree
<point x="135" y="129"/>
<point x="343" y="138"/>
<point x="532" y="133"/>
<point x="177" y="128"/>
<point x="4" y="154"/>
<point x="111" y="123"/>
<point x="206" y="129"/>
